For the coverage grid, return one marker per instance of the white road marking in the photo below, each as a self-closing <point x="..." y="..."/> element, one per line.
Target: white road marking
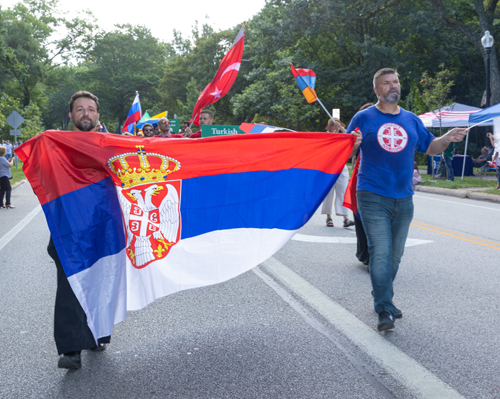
<point x="410" y="242"/>
<point x="403" y="368"/>
<point x="18" y="227"/>
<point x="465" y="203"/>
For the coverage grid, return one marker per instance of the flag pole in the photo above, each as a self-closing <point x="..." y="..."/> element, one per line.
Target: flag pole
<point x="135" y="123"/>
<point x="191" y="124"/>
<point x="320" y="103"/>
<point x="465" y="156"/>
<point x="466" y="141"/>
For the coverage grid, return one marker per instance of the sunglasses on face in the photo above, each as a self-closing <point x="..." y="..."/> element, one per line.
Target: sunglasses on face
<point x="148" y="130"/>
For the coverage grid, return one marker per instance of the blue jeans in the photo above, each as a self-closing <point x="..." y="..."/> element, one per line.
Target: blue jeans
<point x="386" y="222"/>
<point x="449" y="167"/>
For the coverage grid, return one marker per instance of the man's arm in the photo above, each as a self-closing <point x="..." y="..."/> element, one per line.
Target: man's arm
<point x="492" y="140"/>
<point x="439" y="144"/>
<point x="357" y="143"/>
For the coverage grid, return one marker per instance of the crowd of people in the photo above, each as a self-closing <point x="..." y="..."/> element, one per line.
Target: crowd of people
<point x="162" y="128"/>
<point x="386" y="137"/>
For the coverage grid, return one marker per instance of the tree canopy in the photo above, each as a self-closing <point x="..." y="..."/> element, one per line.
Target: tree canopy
<point x="344" y="42"/>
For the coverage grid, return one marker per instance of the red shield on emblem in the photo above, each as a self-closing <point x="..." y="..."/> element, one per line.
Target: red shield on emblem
<point x="150" y="233"/>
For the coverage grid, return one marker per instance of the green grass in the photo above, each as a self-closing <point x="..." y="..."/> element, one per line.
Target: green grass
<point x="17" y="174"/>
<point x="467" y="182"/>
<point x="491" y="191"/>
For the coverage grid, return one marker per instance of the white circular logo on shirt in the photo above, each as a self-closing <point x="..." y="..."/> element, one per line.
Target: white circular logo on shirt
<point x="392" y="137"/>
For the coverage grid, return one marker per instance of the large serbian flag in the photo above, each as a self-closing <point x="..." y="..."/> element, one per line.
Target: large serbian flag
<point x="223" y="79"/>
<point x="135" y="219"/>
<point x="134" y="115"/>
<point x="306" y="79"/>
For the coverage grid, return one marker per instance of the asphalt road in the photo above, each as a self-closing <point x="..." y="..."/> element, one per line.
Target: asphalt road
<point x="301" y="325"/>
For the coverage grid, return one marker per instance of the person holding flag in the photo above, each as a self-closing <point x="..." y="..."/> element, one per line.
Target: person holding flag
<point x="71" y="331"/>
<point x="206" y="118"/>
<point x="134" y="115"/>
<point x="389" y="136"/>
<point x="129" y="227"/>
<point x="223" y="79"/>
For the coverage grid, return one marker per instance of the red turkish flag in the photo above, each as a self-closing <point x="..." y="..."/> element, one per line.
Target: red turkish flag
<point x="223" y="79"/>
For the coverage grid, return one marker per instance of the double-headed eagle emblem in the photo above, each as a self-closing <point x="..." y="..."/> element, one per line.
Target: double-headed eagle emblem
<point x="150" y="204"/>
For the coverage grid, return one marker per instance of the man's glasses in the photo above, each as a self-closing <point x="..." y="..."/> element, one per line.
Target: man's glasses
<point x="148" y="130"/>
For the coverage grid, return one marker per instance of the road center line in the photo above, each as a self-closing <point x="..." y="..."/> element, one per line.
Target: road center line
<point x="402" y="367"/>
<point x="454" y="234"/>
<point x="18" y="227"/>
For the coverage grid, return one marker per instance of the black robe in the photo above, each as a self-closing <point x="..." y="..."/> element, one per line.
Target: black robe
<point x="71" y="331"/>
<point x="362" y="247"/>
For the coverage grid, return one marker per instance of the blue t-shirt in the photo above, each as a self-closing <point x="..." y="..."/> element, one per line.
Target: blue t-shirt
<point x="388" y="150"/>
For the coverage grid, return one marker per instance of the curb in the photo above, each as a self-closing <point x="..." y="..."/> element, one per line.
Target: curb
<point x="16" y="185"/>
<point x="461" y="193"/>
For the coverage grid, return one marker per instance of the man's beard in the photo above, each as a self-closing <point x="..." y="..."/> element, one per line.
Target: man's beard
<point x="392" y="97"/>
<point x="85" y="124"/>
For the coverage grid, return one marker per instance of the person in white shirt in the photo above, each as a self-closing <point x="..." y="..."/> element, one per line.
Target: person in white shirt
<point x="496" y="156"/>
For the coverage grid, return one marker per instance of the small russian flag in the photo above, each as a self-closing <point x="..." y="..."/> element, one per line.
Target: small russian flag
<point x="134" y="115"/>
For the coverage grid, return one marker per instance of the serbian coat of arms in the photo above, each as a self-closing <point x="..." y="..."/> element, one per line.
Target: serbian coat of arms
<point x="150" y="204"/>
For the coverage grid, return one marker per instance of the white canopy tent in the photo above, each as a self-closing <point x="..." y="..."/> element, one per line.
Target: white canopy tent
<point x="454" y="115"/>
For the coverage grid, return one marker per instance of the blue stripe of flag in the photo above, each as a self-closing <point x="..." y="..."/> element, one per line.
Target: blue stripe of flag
<point x="89" y="220"/>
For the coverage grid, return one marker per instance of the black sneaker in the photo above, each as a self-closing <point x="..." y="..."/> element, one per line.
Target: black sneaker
<point x="71" y="361"/>
<point x="99" y="348"/>
<point x="398" y="314"/>
<point x="385" y="321"/>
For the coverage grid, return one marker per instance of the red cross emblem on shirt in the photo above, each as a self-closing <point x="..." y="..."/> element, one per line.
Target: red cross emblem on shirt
<point x="392" y="137"/>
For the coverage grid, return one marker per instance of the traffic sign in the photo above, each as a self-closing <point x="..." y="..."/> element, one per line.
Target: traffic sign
<point x="15" y="120"/>
<point x="16" y="132"/>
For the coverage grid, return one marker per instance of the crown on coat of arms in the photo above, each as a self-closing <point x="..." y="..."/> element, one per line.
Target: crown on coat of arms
<point x="141" y="167"/>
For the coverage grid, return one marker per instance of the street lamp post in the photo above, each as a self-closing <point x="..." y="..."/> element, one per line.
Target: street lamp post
<point x="487" y="42"/>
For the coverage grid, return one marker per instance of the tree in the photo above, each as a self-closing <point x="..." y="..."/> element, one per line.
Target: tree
<point x="28" y="31"/>
<point x="121" y="62"/>
<point x="32" y="124"/>
<point x="343" y="42"/>
<point x="277" y="101"/>
<point x="459" y="16"/>
<point x="189" y="71"/>
<point x="435" y="91"/>
<point x="61" y="83"/>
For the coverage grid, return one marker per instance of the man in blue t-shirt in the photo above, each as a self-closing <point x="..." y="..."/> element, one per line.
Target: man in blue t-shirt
<point x="387" y="138"/>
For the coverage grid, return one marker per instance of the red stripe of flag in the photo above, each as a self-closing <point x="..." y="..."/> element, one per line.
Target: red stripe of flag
<point x="47" y="166"/>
